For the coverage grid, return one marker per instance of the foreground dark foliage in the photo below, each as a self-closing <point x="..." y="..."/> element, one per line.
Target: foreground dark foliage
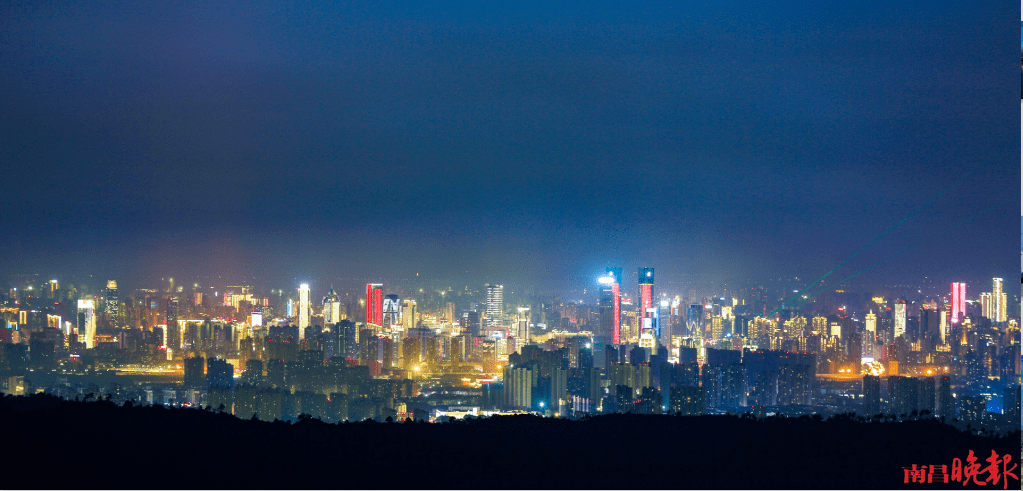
<point x="54" y="443"/>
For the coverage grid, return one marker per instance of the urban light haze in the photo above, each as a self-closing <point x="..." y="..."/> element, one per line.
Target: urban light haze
<point x="533" y="144"/>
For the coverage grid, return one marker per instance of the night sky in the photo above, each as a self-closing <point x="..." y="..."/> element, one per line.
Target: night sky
<point x="531" y="144"/>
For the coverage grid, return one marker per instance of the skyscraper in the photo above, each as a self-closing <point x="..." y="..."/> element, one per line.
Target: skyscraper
<point x="694" y="320"/>
<point x="647" y="310"/>
<point x="112" y="307"/>
<point x="495" y="303"/>
<point x="173" y="341"/>
<point x="303" y="309"/>
<point x="87" y="323"/>
<point x="375" y="303"/>
<point x="408" y="314"/>
<point x="871" y="325"/>
<point x="611" y="306"/>
<point x="999" y="301"/>
<point x="899" y="320"/>
<point x="987" y="307"/>
<point x="331" y="308"/>
<point x="958" y="302"/>
<point x="391" y="311"/>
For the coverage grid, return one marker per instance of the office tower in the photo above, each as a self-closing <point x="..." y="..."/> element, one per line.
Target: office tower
<point x="408" y="314"/>
<point x="611" y="306"/>
<point x="871" y="325"/>
<point x="694" y="320"/>
<point x="495" y="304"/>
<point x="87" y="322"/>
<point x="112" y="307"/>
<point x="173" y="341"/>
<point x="391" y="311"/>
<point x="331" y="308"/>
<point x="471" y="323"/>
<point x="647" y="311"/>
<point x="958" y="302"/>
<point x="375" y="303"/>
<point x="303" y="309"/>
<point x="871" y="395"/>
<point x="999" y="301"/>
<point x="54" y="289"/>
<point x="899" y="319"/>
<point x="664" y="323"/>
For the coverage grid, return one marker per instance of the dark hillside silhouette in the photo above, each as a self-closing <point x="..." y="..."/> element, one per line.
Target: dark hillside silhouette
<point x="157" y="447"/>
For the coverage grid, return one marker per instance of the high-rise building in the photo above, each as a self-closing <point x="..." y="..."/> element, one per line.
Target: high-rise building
<point x="870" y="323"/>
<point x="331" y="308"/>
<point x="647" y="310"/>
<point x="958" y="302"/>
<point x="219" y="373"/>
<point x="173" y="341"/>
<point x="194" y="375"/>
<point x="899" y="317"/>
<point x="391" y="311"/>
<point x="112" y="307"/>
<point x="495" y="304"/>
<point x="664" y="324"/>
<point x="694" y="320"/>
<point x="87" y="322"/>
<point x="303" y="309"/>
<point x="987" y="308"/>
<point x="999" y="301"/>
<point x="946" y="403"/>
<point x="408" y="314"/>
<point x="375" y="303"/>
<point x="611" y="306"/>
<point x="871" y="395"/>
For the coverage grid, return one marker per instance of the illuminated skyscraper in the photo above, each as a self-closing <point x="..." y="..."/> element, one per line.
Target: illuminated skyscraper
<point x="958" y="302"/>
<point x="987" y="307"/>
<point x="303" y="309"/>
<point x="112" y="308"/>
<point x="694" y="320"/>
<point x="871" y="325"/>
<point x="391" y="311"/>
<point x="664" y="324"/>
<point x="899" y="317"/>
<point x="495" y="304"/>
<point x="87" y="324"/>
<point x="173" y="339"/>
<point x="647" y="310"/>
<point x="331" y="308"/>
<point x="408" y="314"/>
<point x="999" y="301"/>
<point x="611" y="306"/>
<point x="375" y="303"/>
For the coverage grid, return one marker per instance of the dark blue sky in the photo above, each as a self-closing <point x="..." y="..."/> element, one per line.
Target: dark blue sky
<point x="534" y="142"/>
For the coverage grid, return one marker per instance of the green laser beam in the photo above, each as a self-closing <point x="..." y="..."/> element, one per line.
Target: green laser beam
<point x="857" y="253"/>
<point x="927" y="240"/>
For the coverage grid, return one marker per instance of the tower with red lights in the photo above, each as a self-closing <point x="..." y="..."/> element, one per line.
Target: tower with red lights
<point x="375" y="303"/>
<point x="958" y="302"/>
